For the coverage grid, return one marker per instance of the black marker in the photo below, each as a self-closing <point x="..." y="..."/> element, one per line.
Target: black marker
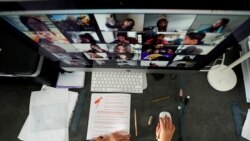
<point x="186" y="100"/>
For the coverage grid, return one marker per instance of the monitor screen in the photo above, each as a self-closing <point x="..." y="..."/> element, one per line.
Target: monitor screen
<point x="127" y="39"/>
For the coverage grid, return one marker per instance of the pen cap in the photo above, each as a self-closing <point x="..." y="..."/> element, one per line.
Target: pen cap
<point x="181" y="93"/>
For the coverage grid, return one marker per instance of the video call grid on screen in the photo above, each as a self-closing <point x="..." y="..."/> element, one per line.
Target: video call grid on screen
<point x="124" y="39"/>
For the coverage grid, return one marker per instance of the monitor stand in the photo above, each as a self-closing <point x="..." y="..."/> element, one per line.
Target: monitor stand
<point x="158" y="77"/>
<point x="144" y="81"/>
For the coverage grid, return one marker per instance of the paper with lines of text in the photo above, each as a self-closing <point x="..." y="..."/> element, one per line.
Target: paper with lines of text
<point x="109" y="113"/>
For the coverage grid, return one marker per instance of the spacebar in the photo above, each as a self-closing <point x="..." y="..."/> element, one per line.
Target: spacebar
<point x="114" y="90"/>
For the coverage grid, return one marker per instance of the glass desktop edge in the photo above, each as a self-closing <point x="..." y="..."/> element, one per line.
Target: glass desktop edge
<point x="145" y="11"/>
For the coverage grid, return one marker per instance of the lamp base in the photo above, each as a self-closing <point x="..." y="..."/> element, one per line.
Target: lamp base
<point x="221" y="79"/>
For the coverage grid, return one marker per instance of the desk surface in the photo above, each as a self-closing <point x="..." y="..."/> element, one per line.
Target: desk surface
<point x="207" y="117"/>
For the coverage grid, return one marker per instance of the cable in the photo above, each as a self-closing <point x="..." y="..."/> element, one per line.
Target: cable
<point x="181" y="108"/>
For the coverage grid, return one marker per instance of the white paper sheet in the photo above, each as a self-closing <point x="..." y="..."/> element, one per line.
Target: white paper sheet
<point x="71" y="80"/>
<point x="108" y="113"/>
<point x="73" y="96"/>
<point x="246" y="127"/>
<point x="48" y="117"/>
<point x="44" y="101"/>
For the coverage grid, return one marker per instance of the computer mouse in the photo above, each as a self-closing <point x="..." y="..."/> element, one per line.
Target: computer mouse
<point x="164" y="113"/>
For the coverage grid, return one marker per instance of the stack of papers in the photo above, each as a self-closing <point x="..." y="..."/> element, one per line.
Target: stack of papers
<point x="109" y="113"/>
<point x="49" y="115"/>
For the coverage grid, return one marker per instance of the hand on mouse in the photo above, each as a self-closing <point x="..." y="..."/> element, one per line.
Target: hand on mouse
<point x="164" y="129"/>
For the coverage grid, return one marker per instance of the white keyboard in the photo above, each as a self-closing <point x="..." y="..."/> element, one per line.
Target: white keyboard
<point x="127" y="82"/>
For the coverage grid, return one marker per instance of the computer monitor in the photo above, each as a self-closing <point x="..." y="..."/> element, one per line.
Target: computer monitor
<point x="146" y="40"/>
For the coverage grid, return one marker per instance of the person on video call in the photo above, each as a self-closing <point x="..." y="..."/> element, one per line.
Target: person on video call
<point x="120" y="48"/>
<point x="84" y="23"/>
<point x="124" y="56"/>
<point x="217" y="27"/>
<point x="94" y="55"/>
<point x="155" y="53"/>
<point x="191" y="38"/>
<point x="53" y="48"/>
<point x="50" y="37"/>
<point x="161" y="25"/>
<point x="87" y="38"/>
<point x="191" y="50"/>
<point x="126" y="25"/>
<point x="33" y="23"/>
<point x="157" y="40"/>
<point x="122" y="38"/>
<point x="164" y="132"/>
<point x="94" y="48"/>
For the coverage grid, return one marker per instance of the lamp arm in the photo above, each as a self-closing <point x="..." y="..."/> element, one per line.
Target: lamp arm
<point x="241" y="59"/>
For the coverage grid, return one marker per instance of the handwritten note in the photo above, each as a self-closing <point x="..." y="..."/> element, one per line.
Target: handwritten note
<point x="108" y="113"/>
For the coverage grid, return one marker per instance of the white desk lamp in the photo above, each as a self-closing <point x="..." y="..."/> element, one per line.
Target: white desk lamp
<point x="222" y="77"/>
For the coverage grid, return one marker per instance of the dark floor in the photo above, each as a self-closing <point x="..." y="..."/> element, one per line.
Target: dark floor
<point x="208" y="116"/>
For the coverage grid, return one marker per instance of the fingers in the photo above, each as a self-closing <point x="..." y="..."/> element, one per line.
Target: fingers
<point x="168" y="122"/>
<point x="119" y="137"/>
<point x="164" y="122"/>
<point x="173" y="128"/>
<point x="125" y="138"/>
<point x="162" y="125"/>
<point x="121" y="132"/>
<point x="157" y="128"/>
<point x="157" y="131"/>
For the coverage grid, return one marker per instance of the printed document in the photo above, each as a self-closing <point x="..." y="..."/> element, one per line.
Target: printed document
<point x="109" y="113"/>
